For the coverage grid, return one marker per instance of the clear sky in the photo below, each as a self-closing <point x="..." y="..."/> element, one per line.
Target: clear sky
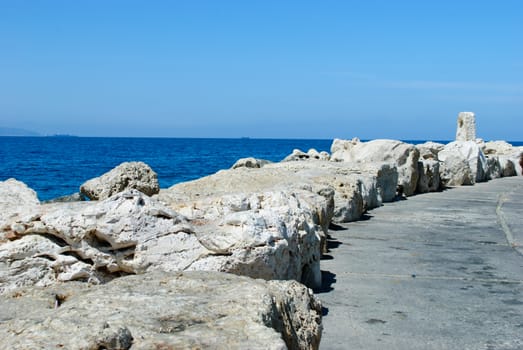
<point x="282" y="69"/>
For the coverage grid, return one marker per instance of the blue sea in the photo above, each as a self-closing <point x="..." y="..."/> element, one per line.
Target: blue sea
<point x="57" y="166"/>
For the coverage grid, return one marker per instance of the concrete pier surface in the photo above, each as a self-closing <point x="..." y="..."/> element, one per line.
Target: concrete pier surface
<point x="434" y="271"/>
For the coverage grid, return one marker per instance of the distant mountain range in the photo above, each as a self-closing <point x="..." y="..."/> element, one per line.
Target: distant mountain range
<point x="17" y="132"/>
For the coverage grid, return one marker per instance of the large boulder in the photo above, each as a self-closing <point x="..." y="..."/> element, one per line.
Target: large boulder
<point x="468" y="152"/>
<point x="16" y="199"/>
<point x="270" y="235"/>
<point x="456" y="171"/>
<point x="190" y="310"/>
<point x="126" y="176"/>
<point x="404" y="157"/>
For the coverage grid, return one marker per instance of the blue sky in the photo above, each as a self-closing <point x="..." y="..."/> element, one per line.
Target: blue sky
<point x="281" y="69"/>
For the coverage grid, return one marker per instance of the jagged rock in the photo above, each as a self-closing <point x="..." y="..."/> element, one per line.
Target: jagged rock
<point x="469" y="152"/>
<point x="250" y="163"/>
<point x="270" y="235"/>
<point x="312" y="154"/>
<point x="190" y="310"/>
<point x="456" y="171"/>
<point x="404" y="156"/>
<point x="16" y="199"/>
<point x="466" y="130"/>
<point x="430" y="150"/>
<point x="498" y="148"/>
<point x="429" y="180"/>
<point x="340" y="149"/>
<point x="126" y="176"/>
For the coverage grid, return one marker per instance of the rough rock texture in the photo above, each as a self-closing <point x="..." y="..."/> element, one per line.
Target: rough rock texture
<point x="494" y="169"/>
<point x="429" y="180"/>
<point x="469" y="152"/>
<point x="190" y="310"/>
<point x="250" y="163"/>
<point x="312" y="154"/>
<point x="126" y="176"/>
<point x="16" y="199"/>
<point x="404" y="156"/>
<point x="466" y="130"/>
<point x="270" y="235"/>
<point x="508" y="167"/>
<point x="498" y="148"/>
<point x="455" y="171"/>
<point x="430" y="150"/>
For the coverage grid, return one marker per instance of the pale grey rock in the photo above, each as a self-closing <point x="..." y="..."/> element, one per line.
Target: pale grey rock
<point x="190" y="310"/>
<point x="404" y="156"/>
<point x="466" y="130"/>
<point x="126" y="176"/>
<point x="270" y="235"/>
<point x="340" y="149"/>
<point x="456" y="171"/>
<point x="470" y="153"/>
<point x="429" y="177"/>
<point x="16" y="199"/>
<point x="311" y="154"/>
<point x="430" y="150"/>
<point x="250" y="163"/>
<point x="498" y="148"/>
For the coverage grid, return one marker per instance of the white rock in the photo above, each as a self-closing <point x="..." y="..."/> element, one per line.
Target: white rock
<point x="250" y="163"/>
<point x="129" y="175"/>
<point x="16" y="199"/>
<point x="499" y="148"/>
<point x="508" y="168"/>
<point x="190" y="310"/>
<point x="430" y="150"/>
<point x="470" y="153"/>
<point x="404" y="156"/>
<point x="456" y="171"/>
<point x="466" y="130"/>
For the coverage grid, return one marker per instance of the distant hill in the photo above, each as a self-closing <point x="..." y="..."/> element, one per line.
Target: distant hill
<point x="17" y="132"/>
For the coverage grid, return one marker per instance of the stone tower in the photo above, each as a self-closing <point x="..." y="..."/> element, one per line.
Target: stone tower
<point x="466" y="127"/>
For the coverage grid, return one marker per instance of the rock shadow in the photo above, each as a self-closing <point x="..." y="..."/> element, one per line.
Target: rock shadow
<point x="327" y="280"/>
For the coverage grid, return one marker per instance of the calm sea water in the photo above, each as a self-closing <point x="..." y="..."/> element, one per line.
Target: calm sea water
<point x="57" y="166"/>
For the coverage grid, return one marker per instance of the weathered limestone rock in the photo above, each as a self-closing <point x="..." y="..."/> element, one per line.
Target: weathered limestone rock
<point x="270" y="235"/>
<point x="402" y="155"/>
<point x="126" y="176"/>
<point x="16" y="199"/>
<point x="498" y="148"/>
<point x="430" y="150"/>
<point x="190" y="310"/>
<point x="429" y="180"/>
<point x="466" y="130"/>
<point x="340" y="149"/>
<point x="312" y="154"/>
<point x="469" y="152"/>
<point x="250" y="163"/>
<point x="456" y="171"/>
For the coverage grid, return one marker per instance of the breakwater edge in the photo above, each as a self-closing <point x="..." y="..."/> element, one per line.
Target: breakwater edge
<point x="260" y="219"/>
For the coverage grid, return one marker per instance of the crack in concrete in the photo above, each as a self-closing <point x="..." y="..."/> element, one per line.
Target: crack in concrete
<point x="502" y="198"/>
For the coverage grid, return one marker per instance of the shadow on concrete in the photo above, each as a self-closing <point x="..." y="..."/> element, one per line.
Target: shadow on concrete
<point x="327" y="280"/>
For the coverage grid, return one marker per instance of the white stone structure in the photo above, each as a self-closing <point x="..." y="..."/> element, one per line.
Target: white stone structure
<point x="466" y="127"/>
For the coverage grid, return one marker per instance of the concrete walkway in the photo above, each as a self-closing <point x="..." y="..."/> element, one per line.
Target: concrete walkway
<point x="434" y="271"/>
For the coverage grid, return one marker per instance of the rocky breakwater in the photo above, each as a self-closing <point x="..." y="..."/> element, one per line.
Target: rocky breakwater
<point x="132" y="248"/>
